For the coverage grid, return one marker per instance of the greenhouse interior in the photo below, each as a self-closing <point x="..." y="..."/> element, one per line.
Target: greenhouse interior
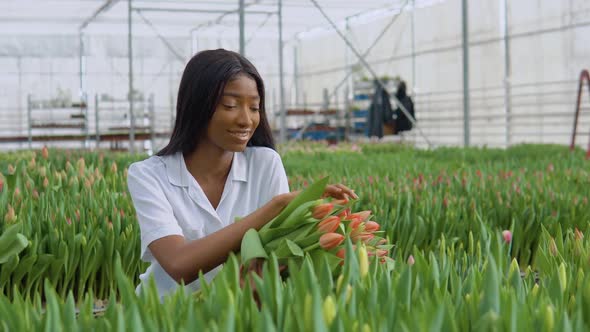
<point x="295" y="165"/>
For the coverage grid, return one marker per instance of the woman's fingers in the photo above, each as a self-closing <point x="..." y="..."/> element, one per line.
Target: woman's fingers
<point x="339" y="191"/>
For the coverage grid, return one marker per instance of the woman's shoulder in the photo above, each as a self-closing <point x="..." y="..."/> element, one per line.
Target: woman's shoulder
<point x="261" y="154"/>
<point x="153" y="164"/>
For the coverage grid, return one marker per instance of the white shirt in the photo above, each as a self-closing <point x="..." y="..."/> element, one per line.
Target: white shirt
<point x="169" y="201"/>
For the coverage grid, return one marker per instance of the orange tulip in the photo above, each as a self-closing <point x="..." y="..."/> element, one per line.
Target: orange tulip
<point x="321" y="211"/>
<point x="331" y="240"/>
<point x="344" y="214"/>
<point x="329" y="224"/>
<point x="371" y="226"/>
<point x="363" y="215"/>
<point x="381" y="252"/>
<point x="355" y="223"/>
<point x="364" y="237"/>
<point x="45" y="152"/>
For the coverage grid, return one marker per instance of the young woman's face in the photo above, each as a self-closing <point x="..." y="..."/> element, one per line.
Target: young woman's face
<point x="237" y="115"/>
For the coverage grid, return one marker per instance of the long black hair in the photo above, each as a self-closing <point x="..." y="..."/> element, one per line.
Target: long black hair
<point x="200" y="91"/>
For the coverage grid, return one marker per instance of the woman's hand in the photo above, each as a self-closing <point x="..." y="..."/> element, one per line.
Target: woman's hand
<point x="339" y="191"/>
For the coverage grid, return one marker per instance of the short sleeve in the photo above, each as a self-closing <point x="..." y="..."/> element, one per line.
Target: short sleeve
<point x="154" y="211"/>
<point x="278" y="182"/>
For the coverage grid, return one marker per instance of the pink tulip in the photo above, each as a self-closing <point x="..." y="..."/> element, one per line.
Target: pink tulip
<point x="507" y="235"/>
<point x="411" y="260"/>
<point x="321" y="211"/>
<point x="371" y="226"/>
<point x="1" y="185"/>
<point x="329" y="224"/>
<point x="331" y="240"/>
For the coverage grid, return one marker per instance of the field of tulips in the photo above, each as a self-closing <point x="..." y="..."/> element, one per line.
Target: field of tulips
<point x="455" y="240"/>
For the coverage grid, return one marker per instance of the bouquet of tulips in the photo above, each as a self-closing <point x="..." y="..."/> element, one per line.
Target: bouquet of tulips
<point x="317" y="227"/>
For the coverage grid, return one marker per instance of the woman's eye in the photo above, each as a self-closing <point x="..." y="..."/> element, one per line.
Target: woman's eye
<point x="255" y="109"/>
<point x="230" y="106"/>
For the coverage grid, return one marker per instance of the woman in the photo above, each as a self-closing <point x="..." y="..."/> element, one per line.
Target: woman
<point x="220" y="164"/>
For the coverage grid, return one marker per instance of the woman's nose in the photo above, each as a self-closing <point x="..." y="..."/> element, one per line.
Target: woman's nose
<point x="244" y="117"/>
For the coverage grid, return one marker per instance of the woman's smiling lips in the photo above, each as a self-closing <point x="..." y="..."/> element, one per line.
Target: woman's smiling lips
<point x="243" y="135"/>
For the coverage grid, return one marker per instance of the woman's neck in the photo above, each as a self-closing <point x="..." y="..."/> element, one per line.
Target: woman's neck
<point x="209" y="163"/>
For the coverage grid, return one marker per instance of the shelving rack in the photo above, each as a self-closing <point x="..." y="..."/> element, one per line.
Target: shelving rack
<point x="56" y="120"/>
<point x="112" y="121"/>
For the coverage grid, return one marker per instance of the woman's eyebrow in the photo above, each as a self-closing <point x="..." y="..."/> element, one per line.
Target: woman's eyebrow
<point x="237" y="95"/>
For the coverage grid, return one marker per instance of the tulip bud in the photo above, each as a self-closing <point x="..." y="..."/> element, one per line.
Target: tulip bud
<point x="363" y="236"/>
<point x="507" y="235"/>
<point x="35" y="194"/>
<point x="331" y="240"/>
<point x="553" y="247"/>
<point x="549" y="318"/>
<point x="10" y="216"/>
<point x="45" y="153"/>
<point x="322" y="211"/>
<point x="579" y="235"/>
<point x="329" y="310"/>
<point x="355" y="223"/>
<point x="344" y="214"/>
<point x="371" y="226"/>
<point x="535" y="290"/>
<point x="11" y="169"/>
<point x="32" y="162"/>
<point x="363" y="215"/>
<point x="45" y="182"/>
<point x="329" y="225"/>
<point x="411" y="260"/>
<point x="363" y="261"/>
<point x="114" y="167"/>
<point x="1" y="182"/>
<point x="562" y="276"/>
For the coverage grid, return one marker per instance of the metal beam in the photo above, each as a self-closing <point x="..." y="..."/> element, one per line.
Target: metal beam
<point x="130" y="59"/>
<point x="242" y="22"/>
<point x="465" y="25"/>
<point x="283" y="132"/>
<point x="203" y="11"/>
<point x="106" y="6"/>
<point x="164" y="40"/>
<point x="373" y="73"/>
<point x="218" y="19"/>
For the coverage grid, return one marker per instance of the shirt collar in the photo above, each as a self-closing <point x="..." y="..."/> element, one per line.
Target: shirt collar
<point x="178" y="174"/>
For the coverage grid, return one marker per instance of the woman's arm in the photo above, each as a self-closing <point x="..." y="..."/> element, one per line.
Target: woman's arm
<point x="183" y="260"/>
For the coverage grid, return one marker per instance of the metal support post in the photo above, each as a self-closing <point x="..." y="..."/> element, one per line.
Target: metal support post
<point x="507" y="72"/>
<point x="130" y="55"/>
<point x="413" y="46"/>
<point x="242" y="35"/>
<point x="152" y="111"/>
<point x="29" y="120"/>
<point x="283" y="132"/>
<point x="96" y="121"/>
<point x="465" y="25"/>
